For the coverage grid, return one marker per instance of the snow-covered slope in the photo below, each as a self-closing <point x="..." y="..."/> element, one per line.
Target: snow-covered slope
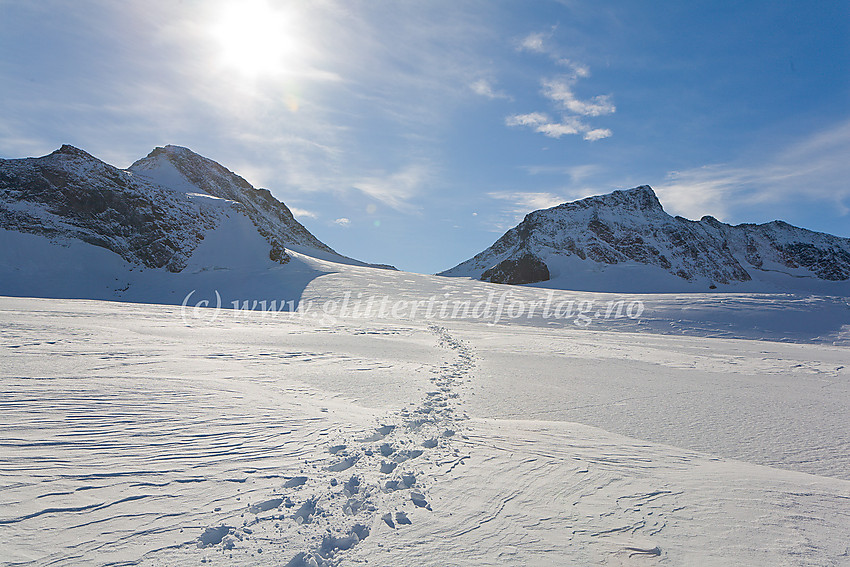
<point x="74" y="226"/>
<point x="181" y="168"/>
<point x="625" y="241"/>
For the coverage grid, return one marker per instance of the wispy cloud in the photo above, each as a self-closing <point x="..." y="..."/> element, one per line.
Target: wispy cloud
<point x="545" y="125"/>
<point x="484" y="88"/>
<point x="395" y="189"/>
<point x="518" y="204"/>
<point x="576" y="173"/>
<point x="303" y="213"/>
<point x="559" y="92"/>
<point x="533" y="42"/>
<point x="813" y="170"/>
<point x="597" y="134"/>
<point x="525" y="202"/>
<point x="343" y="221"/>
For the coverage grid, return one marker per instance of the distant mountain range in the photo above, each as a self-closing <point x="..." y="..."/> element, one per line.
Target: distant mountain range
<point x="74" y="226"/>
<point x="173" y="211"/>
<point x="625" y="241"/>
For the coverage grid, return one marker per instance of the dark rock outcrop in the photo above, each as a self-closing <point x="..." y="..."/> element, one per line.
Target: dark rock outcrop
<point x="527" y="268"/>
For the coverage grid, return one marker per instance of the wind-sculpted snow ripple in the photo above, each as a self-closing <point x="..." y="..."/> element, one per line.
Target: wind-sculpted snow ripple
<point x="141" y="459"/>
<point x="124" y="442"/>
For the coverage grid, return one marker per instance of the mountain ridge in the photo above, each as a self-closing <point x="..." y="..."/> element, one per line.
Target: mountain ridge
<point x="630" y="228"/>
<point x="154" y="213"/>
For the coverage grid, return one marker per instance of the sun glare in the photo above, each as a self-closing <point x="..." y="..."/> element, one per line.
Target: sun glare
<point x="258" y="39"/>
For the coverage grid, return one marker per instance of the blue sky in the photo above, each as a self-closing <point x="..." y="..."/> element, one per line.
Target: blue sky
<point x="416" y="133"/>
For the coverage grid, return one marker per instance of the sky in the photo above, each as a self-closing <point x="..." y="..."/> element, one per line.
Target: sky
<point x="416" y="133"/>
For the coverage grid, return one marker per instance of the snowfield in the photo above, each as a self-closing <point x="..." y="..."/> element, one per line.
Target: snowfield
<point x="709" y="430"/>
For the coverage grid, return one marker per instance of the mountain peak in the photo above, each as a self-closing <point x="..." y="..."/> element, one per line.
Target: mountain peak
<point x="609" y="242"/>
<point x="208" y="175"/>
<point x="180" y="155"/>
<point x="155" y="213"/>
<point x="70" y="150"/>
<point x="172" y="150"/>
<point x="180" y="167"/>
<point x="641" y="198"/>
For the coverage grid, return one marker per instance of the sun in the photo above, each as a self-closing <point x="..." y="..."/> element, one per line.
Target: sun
<point x="258" y="39"/>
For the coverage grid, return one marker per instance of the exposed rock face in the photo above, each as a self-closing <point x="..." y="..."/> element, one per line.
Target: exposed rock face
<point x="631" y="226"/>
<point x="827" y="257"/>
<point x="528" y="268"/>
<point x="70" y="193"/>
<point x="153" y="214"/>
<point x="272" y="218"/>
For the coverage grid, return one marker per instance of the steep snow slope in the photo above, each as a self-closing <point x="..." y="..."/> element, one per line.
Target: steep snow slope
<point x="625" y="241"/>
<point x="181" y="168"/>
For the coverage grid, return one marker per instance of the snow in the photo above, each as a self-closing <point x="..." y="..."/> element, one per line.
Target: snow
<point x="710" y="430"/>
<point x="570" y="272"/>
<point x="625" y="242"/>
<point x="158" y="418"/>
<point x="163" y="173"/>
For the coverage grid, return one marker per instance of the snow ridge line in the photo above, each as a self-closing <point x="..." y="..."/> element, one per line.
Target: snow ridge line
<point x="372" y="482"/>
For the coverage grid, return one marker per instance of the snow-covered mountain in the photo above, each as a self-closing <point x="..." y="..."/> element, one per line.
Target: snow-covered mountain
<point x="181" y="168"/>
<point x="71" y="223"/>
<point x="625" y="241"/>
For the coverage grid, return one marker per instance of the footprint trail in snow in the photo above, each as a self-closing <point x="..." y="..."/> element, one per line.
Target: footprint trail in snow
<point x="376" y="479"/>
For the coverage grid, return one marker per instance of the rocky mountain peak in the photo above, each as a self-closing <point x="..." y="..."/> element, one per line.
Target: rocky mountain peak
<point x="204" y="173"/>
<point x="630" y="228"/>
<point x="641" y="198"/>
<point x="70" y="150"/>
<point x="177" y="166"/>
<point x="155" y="214"/>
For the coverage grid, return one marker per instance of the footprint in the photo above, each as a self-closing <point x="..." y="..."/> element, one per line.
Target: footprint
<point x="388" y="467"/>
<point x="332" y="543"/>
<point x="388" y="518"/>
<point x="418" y="500"/>
<point x="379" y="434"/>
<point x="295" y="482"/>
<point x="302" y="559"/>
<point x="351" y="486"/>
<point x="305" y="512"/>
<point x="409" y="479"/>
<point x="213" y="536"/>
<point x="344" y="464"/>
<point x="429" y="443"/>
<point x="266" y="506"/>
<point x="402" y="456"/>
<point x="402" y="518"/>
<point x="336" y="449"/>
